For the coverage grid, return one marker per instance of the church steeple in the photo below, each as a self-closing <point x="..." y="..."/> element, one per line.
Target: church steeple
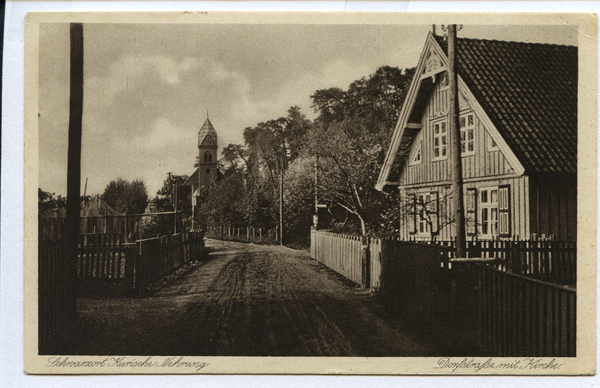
<point x="207" y="147"/>
<point x="207" y="135"/>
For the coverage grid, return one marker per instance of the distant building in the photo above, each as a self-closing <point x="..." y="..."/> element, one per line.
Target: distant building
<point x="207" y="170"/>
<point x="518" y="126"/>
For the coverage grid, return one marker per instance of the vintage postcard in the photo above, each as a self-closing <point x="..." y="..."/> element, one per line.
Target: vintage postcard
<point x="310" y="193"/>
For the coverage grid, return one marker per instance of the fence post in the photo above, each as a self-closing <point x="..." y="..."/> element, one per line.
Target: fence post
<point x="366" y="263"/>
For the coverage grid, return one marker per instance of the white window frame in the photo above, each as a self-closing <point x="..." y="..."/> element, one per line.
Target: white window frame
<point x="465" y="129"/>
<point x="442" y="138"/>
<point x="487" y="213"/>
<point x="492" y="144"/>
<point x="418" y="154"/>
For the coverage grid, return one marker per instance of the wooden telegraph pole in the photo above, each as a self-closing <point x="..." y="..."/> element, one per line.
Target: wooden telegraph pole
<point x="68" y="329"/>
<point x="454" y="131"/>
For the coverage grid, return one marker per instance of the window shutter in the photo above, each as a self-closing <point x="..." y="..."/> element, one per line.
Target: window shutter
<point x="434" y="206"/>
<point x="504" y="211"/>
<point x="472" y="212"/>
<point x="412" y="218"/>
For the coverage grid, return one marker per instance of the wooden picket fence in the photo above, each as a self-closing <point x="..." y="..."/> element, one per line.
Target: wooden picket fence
<point x="496" y="302"/>
<point x="243" y="233"/>
<point x="341" y="253"/>
<point x="549" y="260"/>
<point x="103" y="256"/>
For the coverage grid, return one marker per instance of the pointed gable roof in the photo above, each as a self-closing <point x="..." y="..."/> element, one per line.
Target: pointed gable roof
<point x="207" y="130"/>
<point x="528" y="91"/>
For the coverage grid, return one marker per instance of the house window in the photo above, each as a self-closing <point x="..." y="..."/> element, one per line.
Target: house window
<point x="488" y="212"/>
<point x="424" y="213"/>
<point x="417" y="156"/>
<point x="440" y="138"/>
<point x="492" y="146"/>
<point x="467" y="131"/>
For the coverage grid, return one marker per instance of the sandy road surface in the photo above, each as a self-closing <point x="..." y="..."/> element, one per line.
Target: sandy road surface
<point x="247" y="300"/>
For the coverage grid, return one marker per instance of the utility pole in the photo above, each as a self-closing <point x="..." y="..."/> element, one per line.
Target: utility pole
<point x="71" y="238"/>
<point x="173" y="203"/>
<point x="454" y="132"/>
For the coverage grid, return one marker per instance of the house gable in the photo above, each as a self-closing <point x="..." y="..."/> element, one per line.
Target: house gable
<point x="485" y="155"/>
<point x="426" y="105"/>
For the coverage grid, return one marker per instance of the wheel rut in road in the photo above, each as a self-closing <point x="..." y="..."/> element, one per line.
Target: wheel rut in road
<point x="251" y="300"/>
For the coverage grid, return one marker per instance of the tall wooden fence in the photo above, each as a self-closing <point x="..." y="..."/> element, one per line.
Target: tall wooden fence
<point x="157" y="257"/>
<point x="243" y="233"/>
<point x="520" y="316"/>
<point x="415" y="279"/>
<point x="499" y="312"/>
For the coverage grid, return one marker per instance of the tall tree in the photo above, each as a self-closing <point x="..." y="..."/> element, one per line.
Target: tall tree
<point x="174" y="190"/>
<point x="126" y="197"/>
<point x="352" y="133"/>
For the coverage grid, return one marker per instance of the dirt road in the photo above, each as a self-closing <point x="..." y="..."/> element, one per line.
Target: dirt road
<point x="248" y="300"/>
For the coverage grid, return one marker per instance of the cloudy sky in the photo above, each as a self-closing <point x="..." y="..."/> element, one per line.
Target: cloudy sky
<point x="148" y="87"/>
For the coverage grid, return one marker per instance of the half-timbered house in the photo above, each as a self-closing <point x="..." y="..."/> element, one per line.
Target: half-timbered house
<point x="518" y="138"/>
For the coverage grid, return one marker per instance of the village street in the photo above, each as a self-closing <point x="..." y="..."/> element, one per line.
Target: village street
<point x="247" y="300"/>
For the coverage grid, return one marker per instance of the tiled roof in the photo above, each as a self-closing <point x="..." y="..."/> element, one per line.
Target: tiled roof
<point x="529" y="91"/>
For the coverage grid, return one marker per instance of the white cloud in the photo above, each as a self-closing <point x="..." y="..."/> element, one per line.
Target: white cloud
<point x="127" y="74"/>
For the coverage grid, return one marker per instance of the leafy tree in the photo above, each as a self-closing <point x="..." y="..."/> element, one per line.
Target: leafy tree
<point x="126" y="197"/>
<point x="47" y="201"/>
<point x="223" y="204"/>
<point x="350" y="140"/>
<point x="175" y="185"/>
<point x="299" y="199"/>
<point x="349" y="159"/>
<point x="157" y="225"/>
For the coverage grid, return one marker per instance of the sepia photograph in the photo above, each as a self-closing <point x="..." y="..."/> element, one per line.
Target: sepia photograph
<point x="267" y="189"/>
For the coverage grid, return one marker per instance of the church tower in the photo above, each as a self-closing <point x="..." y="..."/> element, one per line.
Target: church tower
<point x="207" y="147"/>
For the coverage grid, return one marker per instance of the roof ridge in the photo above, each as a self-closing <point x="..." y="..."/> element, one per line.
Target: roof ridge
<point x="441" y="40"/>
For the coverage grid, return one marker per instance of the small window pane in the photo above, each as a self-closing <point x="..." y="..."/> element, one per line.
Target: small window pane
<point x="443" y="126"/>
<point x="462" y="122"/>
<point x="470" y="146"/>
<point x="444" y="151"/>
<point x="470" y="123"/>
<point x="494" y="196"/>
<point x="484" y="221"/>
<point x="470" y="134"/>
<point x="436" y="141"/>
<point x="436" y="128"/>
<point x="484" y="196"/>
<point x="444" y="140"/>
